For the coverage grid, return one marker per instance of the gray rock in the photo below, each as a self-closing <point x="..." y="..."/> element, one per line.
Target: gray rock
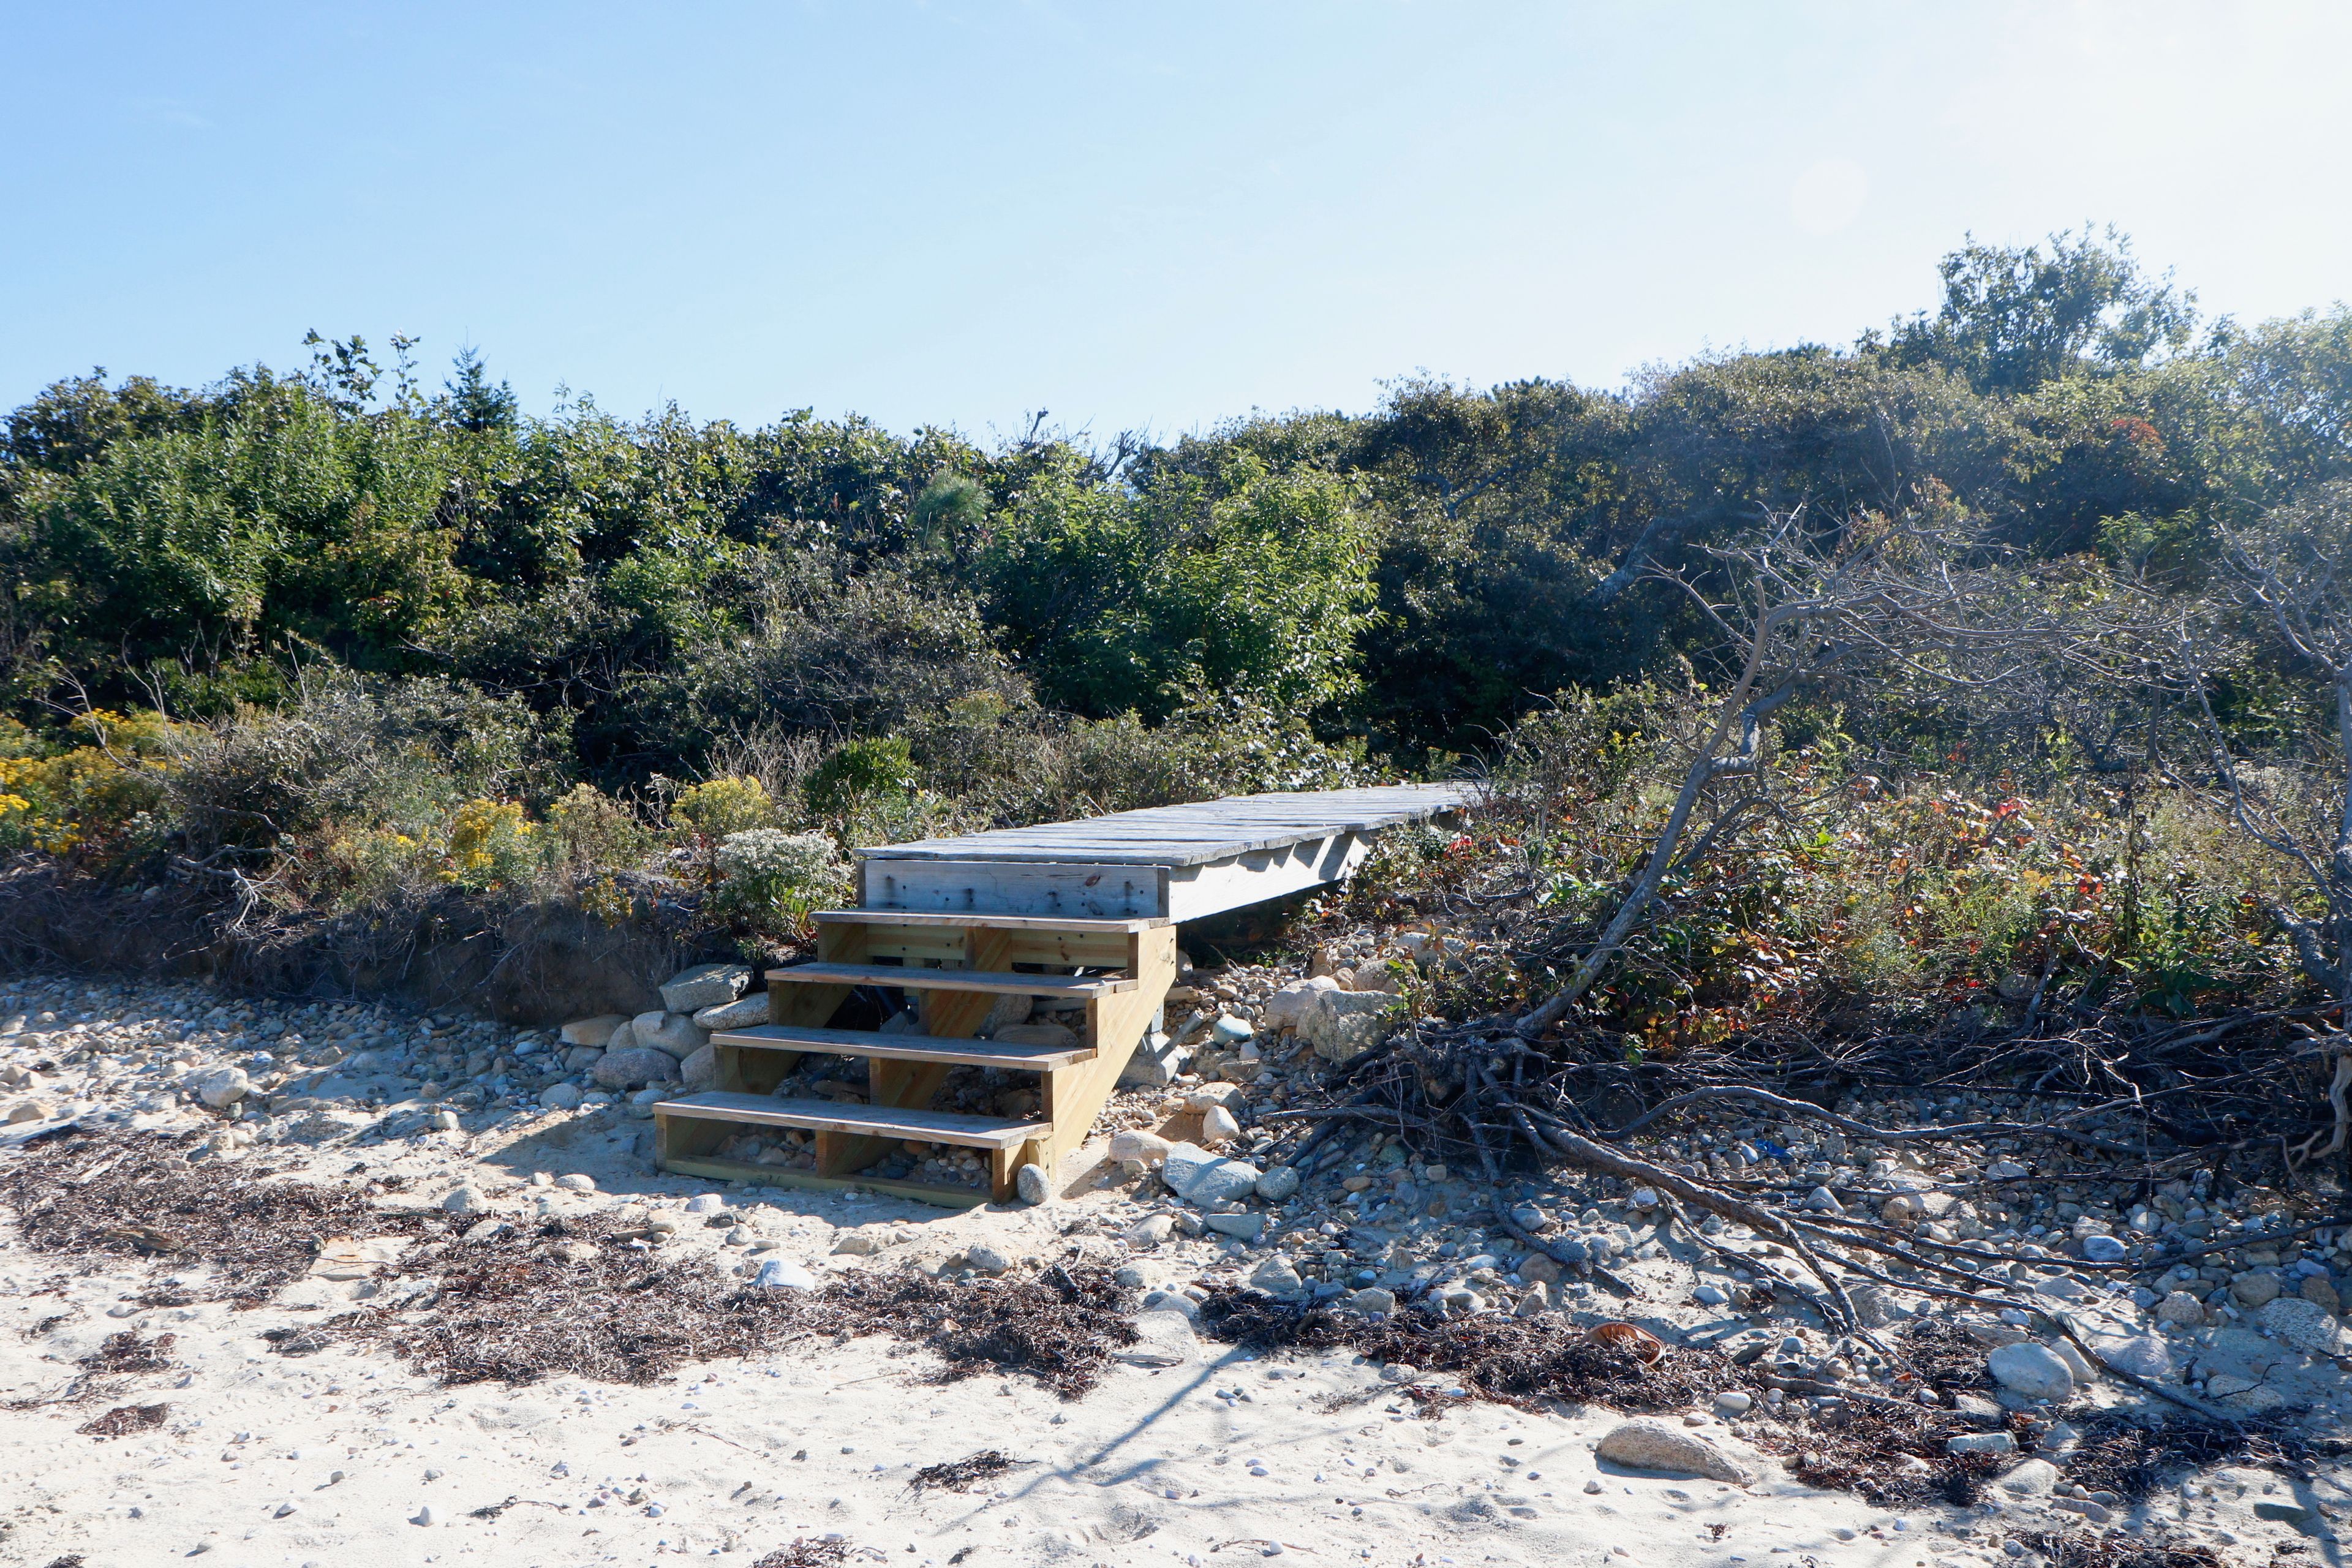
<point x="1820" y="1200"/>
<point x="1980" y="1443"/>
<point x="1142" y="1147"/>
<point x="1163" y="1337"/>
<point x="221" y="1087"/>
<point x="1172" y="1301"/>
<point x="1006" y="1012"/>
<point x="986" y="1258"/>
<point x="700" y="1070"/>
<point x="672" y="1032"/>
<point x="1646" y="1445"/>
<point x="1399" y="1372"/>
<point x="705" y="985"/>
<point x="1243" y="1226"/>
<point x="1280" y="1184"/>
<point x="1198" y="1176"/>
<point x="856" y="1243"/>
<point x="1218" y="1126"/>
<point x="1372" y="1298"/>
<point x="1731" y="1402"/>
<point x="1343" y="1025"/>
<point x="2030" y="1478"/>
<point x="1033" y="1184"/>
<point x="1287" y="1006"/>
<point x="466" y="1199"/>
<point x="623" y="1037"/>
<point x="2103" y="1250"/>
<point x="743" y="1012"/>
<point x="2306" y="1325"/>
<point x="634" y="1067"/>
<point x="2030" y="1369"/>
<point x="1150" y="1231"/>
<point x="2142" y="1356"/>
<point x="2181" y="1308"/>
<point x="1276" y="1277"/>
<point x="596" y="1031"/>
<point x="2256" y="1287"/>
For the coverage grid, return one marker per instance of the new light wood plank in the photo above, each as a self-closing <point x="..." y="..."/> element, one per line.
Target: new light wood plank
<point x="949" y="980"/>
<point x="903" y="1047"/>
<point x="1006" y="922"/>
<point x="865" y="1121"/>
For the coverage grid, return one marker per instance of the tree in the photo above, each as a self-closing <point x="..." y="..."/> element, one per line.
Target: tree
<point x="2014" y="317"/>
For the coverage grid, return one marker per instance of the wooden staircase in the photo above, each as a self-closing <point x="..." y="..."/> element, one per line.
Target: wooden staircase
<point x="953" y="967"/>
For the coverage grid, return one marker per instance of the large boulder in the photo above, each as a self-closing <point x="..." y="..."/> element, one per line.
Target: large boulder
<point x="1343" y="1025"/>
<point x="2306" y="1325"/>
<point x="1654" y="1445"/>
<point x="1202" y="1178"/>
<point x="634" y="1067"/>
<point x="705" y="985"/>
<point x="672" y="1032"/>
<point x="700" y="1070"/>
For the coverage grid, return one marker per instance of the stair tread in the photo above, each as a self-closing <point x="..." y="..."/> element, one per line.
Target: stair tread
<point x="874" y="1121"/>
<point x="950" y="979"/>
<point x="903" y="1047"/>
<point x="999" y="922"/>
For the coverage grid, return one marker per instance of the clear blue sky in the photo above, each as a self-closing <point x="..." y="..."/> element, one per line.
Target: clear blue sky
<point x="1132" y="216"/>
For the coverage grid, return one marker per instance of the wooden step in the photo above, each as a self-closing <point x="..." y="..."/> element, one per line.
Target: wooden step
<point x="903" y="1047"/>
<point x="868" y="1120"/>
<point x="918" y="979"/>
<point x="991" y="922"/>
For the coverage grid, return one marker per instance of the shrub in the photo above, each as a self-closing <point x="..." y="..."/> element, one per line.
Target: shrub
<point x="593" y="832"/>
<point x="771" y="879"/>
<point x="718" y="808"/>
<point x="876" y="771"/>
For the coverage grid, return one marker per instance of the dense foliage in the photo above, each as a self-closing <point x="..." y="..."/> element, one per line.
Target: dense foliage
<point x="335" y="631"/>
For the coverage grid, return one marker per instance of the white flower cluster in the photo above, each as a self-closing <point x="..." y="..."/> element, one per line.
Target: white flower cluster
<point x="768" y="875"/>
<point x="772" y="855"/>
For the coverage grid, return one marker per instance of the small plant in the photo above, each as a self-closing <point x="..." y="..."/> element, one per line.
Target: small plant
<point x="870" y="773"/>
<point x="722" y="806"/>
<point x="595" y="832"/>
<point x="771" y="879"/>
<point x="490" y="845"/>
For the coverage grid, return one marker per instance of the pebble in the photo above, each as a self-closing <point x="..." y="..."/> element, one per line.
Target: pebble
<point x="577" y="1182"/>
<point x="2103" y="1250"/>
<point x="1980" y="1443"/>
<point x="986" y="1258"/>
<point x="466" y="1199"/>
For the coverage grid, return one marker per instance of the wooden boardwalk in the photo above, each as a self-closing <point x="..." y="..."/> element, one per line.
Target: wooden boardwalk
<point x="1079" y="914"/>
<point x="1169" y="862"/>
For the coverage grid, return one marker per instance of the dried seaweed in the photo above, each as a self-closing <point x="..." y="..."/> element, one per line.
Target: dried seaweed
<point x="1515" y="1360"/>
<point x="540" y="1303"/>
<point x="805" y="1554"/>
<point x="2084" y="1549"/>
<point x="2133" y="1457"/>
<point x="138" y="1194"/>
<point x="124" y="1420"/>
<point x="962" y="1475"/>
<point x="127" y="1353"/>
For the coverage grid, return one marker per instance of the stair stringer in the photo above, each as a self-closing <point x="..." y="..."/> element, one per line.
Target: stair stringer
<point x="1074" y="1095"/>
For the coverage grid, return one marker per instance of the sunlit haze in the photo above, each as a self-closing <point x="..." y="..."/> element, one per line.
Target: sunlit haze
<point x="1129" y="216"/>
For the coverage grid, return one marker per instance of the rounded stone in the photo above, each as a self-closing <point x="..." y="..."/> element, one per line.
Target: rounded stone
<point x="1032" y="1184"/>
<point x="2033" y="1370"/>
